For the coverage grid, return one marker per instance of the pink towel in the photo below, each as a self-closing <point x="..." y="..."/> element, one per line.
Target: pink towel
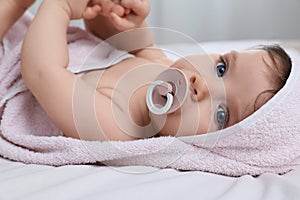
<point x="267" y="141"/>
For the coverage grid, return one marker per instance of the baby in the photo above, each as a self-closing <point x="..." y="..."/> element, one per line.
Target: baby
<point x="232" y="86"/>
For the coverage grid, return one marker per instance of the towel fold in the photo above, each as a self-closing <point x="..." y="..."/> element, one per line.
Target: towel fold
<point x="267" y="141"/>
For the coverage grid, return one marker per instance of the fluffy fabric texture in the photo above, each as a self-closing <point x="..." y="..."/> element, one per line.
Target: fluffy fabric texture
<point x="267" y="141"/>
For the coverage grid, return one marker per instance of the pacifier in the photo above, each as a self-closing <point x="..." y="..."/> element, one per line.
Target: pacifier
<point x="168" y="92"/>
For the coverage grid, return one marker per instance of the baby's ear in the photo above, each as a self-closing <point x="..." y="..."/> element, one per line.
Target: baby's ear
<point x="91" y="12"/>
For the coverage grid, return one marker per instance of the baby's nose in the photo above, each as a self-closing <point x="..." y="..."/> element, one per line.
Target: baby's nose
<point x="199" y="88"/>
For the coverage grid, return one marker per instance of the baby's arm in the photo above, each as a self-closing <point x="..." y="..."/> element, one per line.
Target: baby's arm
<point x="44" y="59"/>
<point x="10" y="12"/>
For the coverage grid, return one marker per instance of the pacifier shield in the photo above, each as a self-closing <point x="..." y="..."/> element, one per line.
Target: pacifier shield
<point x="173" y="82"/>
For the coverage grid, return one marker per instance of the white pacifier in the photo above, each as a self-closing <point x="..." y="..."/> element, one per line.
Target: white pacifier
<point x="168" y="92"/>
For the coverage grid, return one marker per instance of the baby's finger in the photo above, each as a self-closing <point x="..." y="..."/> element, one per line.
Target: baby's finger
<point x="120" y="23"/>
<point x="91" y="12"/>
<point x="119" y="10"/>
<point x="107" y="7"/>
<point x="140" y="7"/>
<point x="127" y="11"/>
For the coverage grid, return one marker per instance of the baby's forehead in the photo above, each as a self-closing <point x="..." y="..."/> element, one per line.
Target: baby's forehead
<point x="253" y="56"/>
<point x="253" y="51"/>
<point x="260" y="53"/>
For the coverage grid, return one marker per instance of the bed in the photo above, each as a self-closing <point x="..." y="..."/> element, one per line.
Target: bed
<point x="29" y="181"/>
<point x="21" y="181"/>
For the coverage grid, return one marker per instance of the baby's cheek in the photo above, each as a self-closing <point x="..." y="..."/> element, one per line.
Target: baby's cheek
<point x="205" y="126"/>
<point x="207" y="122"/>
<point x="171" y="125"/>
<point x="199" y="119"/>
<point x="193" y="119"/>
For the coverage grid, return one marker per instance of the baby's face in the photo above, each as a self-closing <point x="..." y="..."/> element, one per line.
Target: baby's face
<point x="223" y="89"/>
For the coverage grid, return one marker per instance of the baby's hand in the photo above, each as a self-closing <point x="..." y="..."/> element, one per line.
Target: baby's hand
<point x="126" y="14"/>
<point x="77" y="9"/>
<point x="109" y="6"/>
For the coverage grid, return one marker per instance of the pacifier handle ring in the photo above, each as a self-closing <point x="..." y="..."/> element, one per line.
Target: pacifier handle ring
<point x="150" y="104"/>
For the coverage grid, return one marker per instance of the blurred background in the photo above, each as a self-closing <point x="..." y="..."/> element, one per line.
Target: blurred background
<point x="214" y="20"/>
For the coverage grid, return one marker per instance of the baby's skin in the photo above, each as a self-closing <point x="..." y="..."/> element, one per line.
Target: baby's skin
<point x="10" y="12"/>
<point x="119" y="110"/>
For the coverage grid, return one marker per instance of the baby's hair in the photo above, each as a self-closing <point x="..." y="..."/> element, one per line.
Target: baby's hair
<point x="280" y="70"/>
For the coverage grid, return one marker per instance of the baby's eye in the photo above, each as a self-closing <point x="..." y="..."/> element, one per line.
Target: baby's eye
<point x="221" y="69"/>
<point x="221" y="117"/>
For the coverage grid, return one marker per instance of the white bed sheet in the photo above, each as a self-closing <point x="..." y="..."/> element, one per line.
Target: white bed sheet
<point x="21" y="181"/>
<point x="24" y="181"/>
